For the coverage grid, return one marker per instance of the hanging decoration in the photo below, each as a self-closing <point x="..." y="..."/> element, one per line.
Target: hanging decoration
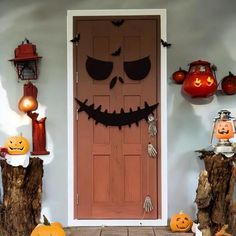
<point x="152" y="128"/>
<point x="116" y="119"/>
<point x="152" y="152"/>
<point x="147" y="205"/>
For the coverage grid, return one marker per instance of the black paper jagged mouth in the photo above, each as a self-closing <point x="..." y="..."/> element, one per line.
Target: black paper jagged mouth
<point x="116" y="119"/>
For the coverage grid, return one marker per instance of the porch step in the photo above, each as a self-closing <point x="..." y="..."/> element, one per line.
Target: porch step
<point x="122" y="231"/>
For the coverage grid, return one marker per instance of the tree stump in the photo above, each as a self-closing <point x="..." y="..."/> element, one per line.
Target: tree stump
<point x="22" y="192"/>
<point x="215" y="194"/>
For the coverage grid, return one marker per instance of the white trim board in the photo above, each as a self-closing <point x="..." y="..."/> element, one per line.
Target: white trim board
<point x="70" y="118"/>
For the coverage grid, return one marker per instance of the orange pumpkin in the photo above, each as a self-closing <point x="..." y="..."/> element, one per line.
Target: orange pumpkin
<point x="180" y="222"/>
<point x="224" y="129"/>
<point x="48" y="229"/>
<point x="17" y="145"/>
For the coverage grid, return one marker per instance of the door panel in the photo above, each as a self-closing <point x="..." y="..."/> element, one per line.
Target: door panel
<point x="114" y="173"/>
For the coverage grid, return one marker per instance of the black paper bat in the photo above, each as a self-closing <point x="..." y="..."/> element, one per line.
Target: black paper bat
<point x="118" y="23"/>
<point x="165" y="44"/>
<point x="76" y="39"/>
<point x="116" y="119"/>
<point x="117" y="52"/>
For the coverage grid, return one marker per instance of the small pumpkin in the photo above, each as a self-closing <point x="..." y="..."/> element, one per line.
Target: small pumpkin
<point x="224" y="129"/>
<point x="17" y="145"/>
<point x="180" y="222"/>
<point x="228" y="84"/>
<point x="48" y="229"/>
<point x="179" y="76"/>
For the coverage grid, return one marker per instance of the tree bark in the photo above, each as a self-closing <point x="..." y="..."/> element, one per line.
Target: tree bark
<point x="218" y="207"/>
<point x="22" y="192"/>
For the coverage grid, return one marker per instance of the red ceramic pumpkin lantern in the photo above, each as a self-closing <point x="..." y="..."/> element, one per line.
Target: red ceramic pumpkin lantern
<point x="200" y="80"/>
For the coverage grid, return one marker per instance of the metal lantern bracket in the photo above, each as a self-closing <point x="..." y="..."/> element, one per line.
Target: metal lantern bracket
<point x="26" y="61"/>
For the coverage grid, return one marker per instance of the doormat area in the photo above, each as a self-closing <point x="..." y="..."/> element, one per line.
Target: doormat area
<point x="122" y="231"/>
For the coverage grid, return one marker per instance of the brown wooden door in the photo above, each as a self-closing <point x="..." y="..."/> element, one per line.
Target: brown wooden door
<point x="113" y="172"/>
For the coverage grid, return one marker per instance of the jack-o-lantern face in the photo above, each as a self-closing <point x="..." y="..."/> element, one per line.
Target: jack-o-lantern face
<point x="200" y="81"/>
<point x="180" y="222"/>
<point x="17" y="145"/>
<point x="101" y="70"/>
<point x="224" y="129"/>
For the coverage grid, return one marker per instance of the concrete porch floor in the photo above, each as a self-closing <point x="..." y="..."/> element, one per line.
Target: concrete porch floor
<point x="122" y="231"/>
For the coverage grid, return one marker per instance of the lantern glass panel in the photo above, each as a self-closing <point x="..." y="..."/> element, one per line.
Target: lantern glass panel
<point x="27" y="70"/>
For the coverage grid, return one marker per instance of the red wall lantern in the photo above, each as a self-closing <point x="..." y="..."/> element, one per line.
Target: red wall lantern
<point x="26" y="60"/>
<point x="200" y="80"/>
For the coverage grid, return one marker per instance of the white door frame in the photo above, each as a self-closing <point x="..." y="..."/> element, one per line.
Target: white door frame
<point x="71" y="114"/>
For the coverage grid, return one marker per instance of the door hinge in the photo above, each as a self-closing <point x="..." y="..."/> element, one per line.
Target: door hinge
<point x="77" y="116"/>
<point x="77" y="199"/>
<point x="77" y="77"/>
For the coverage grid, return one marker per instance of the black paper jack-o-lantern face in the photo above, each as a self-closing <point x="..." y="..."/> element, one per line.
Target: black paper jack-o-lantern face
<point x="101" y="70"/>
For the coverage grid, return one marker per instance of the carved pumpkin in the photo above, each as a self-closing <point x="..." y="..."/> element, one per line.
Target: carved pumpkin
<point x="17" y="145"/>
<point x="200" y="81"/>
<point x="48" y="229"/>
<point x="180" y="222"/>
<point x="224" y="129"/>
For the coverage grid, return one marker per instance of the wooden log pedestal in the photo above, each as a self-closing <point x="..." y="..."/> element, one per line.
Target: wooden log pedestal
<point x="215" y="194"/>
<point x="22" y="192"/>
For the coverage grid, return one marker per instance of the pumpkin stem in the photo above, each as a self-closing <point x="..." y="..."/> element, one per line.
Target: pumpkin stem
<point x="45" y="220"/>
<point x="230" y="73"/>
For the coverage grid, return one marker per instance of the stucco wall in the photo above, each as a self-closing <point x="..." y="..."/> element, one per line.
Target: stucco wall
<point x="197" y="30"/>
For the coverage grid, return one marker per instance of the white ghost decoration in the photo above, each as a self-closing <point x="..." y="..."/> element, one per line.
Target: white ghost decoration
<point x="18" y="160"/>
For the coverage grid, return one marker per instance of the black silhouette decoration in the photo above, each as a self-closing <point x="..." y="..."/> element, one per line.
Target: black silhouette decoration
<point x="118" y="23"/>
<point x="113" y="82"/>
<point x="165" y="44"/>
<point x="139" y="69"/>
<point x="116" y="119"/>
<point x="121" y="80"/>
<point x="98" y="69"/>
<point x="76" y="39"/>
<point x="101" y="70"/>
<point x="117" y="52"/>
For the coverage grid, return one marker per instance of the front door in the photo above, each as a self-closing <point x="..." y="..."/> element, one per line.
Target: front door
<point x="116" y="75"/>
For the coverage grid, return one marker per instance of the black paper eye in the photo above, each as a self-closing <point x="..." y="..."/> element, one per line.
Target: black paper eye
<point x="97" y="69"/>
<point x="139" y="69"/>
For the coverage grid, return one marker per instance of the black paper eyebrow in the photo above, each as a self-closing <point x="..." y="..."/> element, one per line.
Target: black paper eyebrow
<point x="139" y="69"/>
<point x="98" y="69"/>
